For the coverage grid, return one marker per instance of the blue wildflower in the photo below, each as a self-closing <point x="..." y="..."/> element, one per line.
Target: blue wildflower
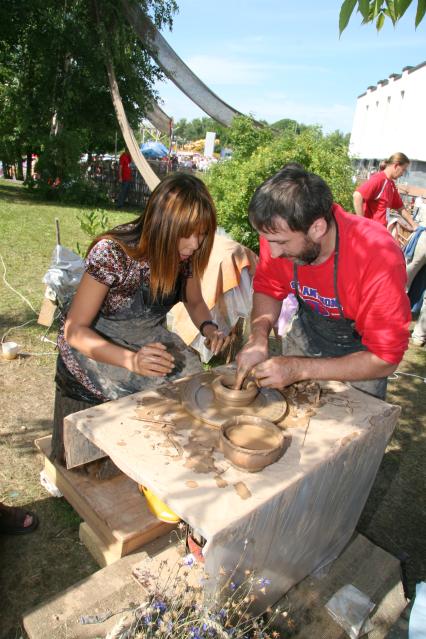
<point x="264" y="582"/>
<point x="189" y="560"/>
<point x="159" y="606"/>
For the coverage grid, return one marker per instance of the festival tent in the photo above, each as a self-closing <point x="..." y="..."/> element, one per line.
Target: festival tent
<point x="154" y="150"/>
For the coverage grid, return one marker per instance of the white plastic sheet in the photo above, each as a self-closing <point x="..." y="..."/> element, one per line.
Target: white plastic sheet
<point x="63" y="275"/>
<point x="350" y="608"/>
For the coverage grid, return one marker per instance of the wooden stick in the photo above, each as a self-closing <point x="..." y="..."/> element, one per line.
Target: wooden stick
<point x="153" y="421"/>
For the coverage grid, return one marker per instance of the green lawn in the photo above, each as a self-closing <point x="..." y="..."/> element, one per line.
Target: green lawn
<point x="27" y="240"/>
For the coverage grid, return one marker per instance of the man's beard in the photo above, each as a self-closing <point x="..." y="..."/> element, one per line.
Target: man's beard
<point x="309" y="253"/>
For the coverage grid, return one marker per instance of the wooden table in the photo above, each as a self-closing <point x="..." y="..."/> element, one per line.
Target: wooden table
<point x="283" y="522"/>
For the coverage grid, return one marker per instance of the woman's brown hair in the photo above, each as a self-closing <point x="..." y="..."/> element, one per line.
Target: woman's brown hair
<point x="178" y="207"/>
<point x="398" y="158"/>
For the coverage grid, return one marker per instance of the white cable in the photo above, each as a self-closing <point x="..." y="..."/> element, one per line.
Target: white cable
<point x="13" y="289"/>
<point x="15" y="327"/>
<point x="397" y="373"/>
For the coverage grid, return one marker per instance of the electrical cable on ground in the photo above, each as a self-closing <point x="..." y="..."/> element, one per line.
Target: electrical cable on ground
<point x="397" y="373"/>
<point x="31" y="321"/>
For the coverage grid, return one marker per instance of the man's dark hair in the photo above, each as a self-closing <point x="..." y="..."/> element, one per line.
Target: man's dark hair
<point x="295" y="195"/>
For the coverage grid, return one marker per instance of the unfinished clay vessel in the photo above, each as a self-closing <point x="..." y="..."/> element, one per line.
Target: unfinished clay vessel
<point x="223" y="389"/>
<point x="250" y="443"/>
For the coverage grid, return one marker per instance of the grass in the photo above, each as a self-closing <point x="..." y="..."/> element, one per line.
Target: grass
<point x="28" y="237"/>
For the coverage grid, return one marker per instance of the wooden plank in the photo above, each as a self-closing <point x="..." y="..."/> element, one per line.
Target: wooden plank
<point x="113" y="508"/>
<point x="363" y="564"/>
<point x="47" y="312"/>
<point x="78" y="449"/>
<point x="104" y="554"/>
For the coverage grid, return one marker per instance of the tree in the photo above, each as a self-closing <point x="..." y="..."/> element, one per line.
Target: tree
<point x="260" y="154"/>
<point x="378" y="11"/>
<point x="53" y="76"/>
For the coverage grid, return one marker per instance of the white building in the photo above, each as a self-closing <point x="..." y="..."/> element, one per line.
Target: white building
<point x="390" y="117"/>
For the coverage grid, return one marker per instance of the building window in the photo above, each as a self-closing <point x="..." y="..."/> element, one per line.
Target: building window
<point x="377" y="103"/>
<point x="389" y="99"/>
<point x="402" y="95"/>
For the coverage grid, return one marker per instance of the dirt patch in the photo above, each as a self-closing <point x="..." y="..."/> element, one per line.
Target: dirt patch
<point x="39" y="565"/>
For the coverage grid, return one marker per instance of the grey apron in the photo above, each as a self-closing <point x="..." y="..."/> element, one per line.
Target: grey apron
<point x="141" y="323"/>
<point x="315" y="335"/>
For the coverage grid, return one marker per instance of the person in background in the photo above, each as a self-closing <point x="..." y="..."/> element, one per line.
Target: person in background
<point x="378" y="195"/>
<point x="16" y="521"/>
<point x="113" y="341"/>
<point x="348" y="276"/>
<point x="415" y="256"/>
<point x="125" y="177"/>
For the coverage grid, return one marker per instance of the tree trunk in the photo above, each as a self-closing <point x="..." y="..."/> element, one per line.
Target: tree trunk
<point x="29" y="166"/>
<point x="20" y="171"/>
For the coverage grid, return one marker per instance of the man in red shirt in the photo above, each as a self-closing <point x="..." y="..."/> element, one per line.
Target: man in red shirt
<point x="124" y="177"/>
<point x="349" y="278"/>
<point x="377" y="196"/>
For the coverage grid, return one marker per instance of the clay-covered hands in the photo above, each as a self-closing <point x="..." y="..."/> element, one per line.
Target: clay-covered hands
<point x="152" y="360"/>
<point x="215" y="340"/>
<point x="254" y="351"/>
<point x="278" y="372"/>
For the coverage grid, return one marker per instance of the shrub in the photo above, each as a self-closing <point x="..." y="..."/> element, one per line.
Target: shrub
<point x="260" y="155"/>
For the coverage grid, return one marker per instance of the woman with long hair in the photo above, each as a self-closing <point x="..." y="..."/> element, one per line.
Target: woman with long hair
<point x="113" y="340"/>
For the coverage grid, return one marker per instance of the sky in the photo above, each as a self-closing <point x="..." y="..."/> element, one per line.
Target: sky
<point x="278" y="59"/>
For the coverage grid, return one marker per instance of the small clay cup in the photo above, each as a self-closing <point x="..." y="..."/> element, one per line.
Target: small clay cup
<point x="225" y="393"/>
<point x="250" y="443"/>
<point x="10" y="350"/>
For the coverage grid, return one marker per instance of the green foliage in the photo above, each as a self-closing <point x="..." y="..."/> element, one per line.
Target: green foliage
<point x="53" y="78"/>
<point x="196" y="129"/>
<point x="378" y="10"/>
<point x="245" y="137"/>
<point x="60" y="157"/>
<point x="92" y="223"/>
<point x="232" y="183"/>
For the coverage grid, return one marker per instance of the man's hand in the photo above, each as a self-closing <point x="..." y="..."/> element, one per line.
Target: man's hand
<point x="152" y="360"/>
<point x="278" y="372"/>
<point x="254" y="351"/>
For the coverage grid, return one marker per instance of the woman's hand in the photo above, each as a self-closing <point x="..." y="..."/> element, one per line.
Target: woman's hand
<point x="152" y="360"/>
<point x="215" y="340"/>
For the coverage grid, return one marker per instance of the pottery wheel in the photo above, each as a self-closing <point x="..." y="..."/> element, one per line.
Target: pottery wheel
<point x="199" y="401"/>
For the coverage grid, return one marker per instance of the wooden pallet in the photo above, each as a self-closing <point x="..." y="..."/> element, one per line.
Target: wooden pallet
<point x="117" y="518"/>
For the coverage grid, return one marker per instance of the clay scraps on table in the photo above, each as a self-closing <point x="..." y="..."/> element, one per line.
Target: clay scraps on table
<point x="242" y="490"/>
<point x="168" y="419"/>
<point x="303" y="400"/>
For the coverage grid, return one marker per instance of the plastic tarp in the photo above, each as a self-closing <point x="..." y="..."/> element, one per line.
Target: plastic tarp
<point x="154" y="150"/>
<point x="63" y="276"/>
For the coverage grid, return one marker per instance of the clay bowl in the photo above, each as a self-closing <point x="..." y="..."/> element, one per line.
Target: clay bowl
<point x="225" y="394"/>
<point x="250" y="443"/>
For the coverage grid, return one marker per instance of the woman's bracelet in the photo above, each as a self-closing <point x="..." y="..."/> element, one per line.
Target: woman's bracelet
<point x="207" y="323"/>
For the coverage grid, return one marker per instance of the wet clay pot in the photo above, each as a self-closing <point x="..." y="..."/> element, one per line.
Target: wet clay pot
<point x="250" y="443"/>
<point x="224" y="392"/>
